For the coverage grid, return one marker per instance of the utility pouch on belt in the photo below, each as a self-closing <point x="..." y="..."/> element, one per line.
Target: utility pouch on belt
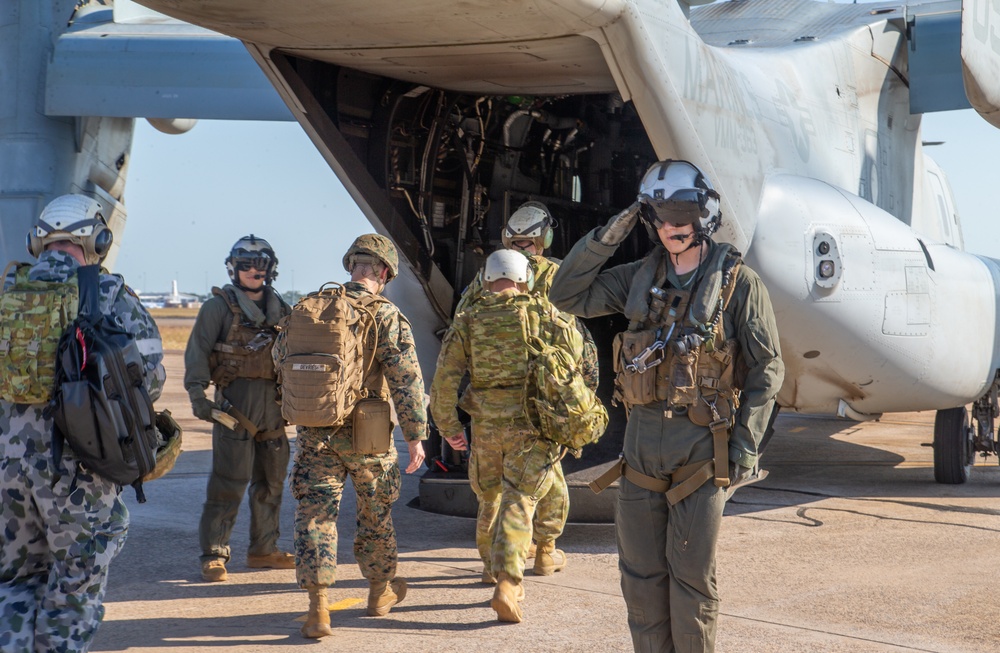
<point x="634" y="387"/>
<point x="372" y="426"/>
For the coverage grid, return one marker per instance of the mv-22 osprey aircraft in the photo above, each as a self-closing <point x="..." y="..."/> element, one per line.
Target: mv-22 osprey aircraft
<point x="440" y="118"/>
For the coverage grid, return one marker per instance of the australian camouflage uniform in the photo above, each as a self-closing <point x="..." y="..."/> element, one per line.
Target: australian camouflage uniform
<point x="511" y="467"/>
<point x="325" y="457"/>
<point x="61" y="530"/>
<point x="711" y="385"/>
<point x="552" y="510"/>
<point x="230" y="347"/>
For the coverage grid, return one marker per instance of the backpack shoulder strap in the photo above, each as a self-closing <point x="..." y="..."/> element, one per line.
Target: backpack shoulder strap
<point x="88" y="279"/>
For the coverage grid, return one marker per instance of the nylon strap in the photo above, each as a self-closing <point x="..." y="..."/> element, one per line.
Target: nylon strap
<point x="685" y="479"/>
<point x="720" y="441"/>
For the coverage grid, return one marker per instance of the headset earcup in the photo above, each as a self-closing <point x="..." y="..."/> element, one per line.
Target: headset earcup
<point x="547" y="242"/>
<point x="102" y="238"/>
<point x="34" y="244"/>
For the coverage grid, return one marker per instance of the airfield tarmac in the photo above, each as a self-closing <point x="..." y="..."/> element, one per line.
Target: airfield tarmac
<point x="848" y="546"/>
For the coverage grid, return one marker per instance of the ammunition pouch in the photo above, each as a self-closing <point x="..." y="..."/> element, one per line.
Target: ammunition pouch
<point x="372" y="426"/>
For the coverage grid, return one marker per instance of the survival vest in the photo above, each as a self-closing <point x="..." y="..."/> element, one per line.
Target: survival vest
<point x="246" y="350"/>
<point x="100" y="406"/>
<point x="33" y="316"/>
<point x="321" y="358"/>
<point x="676" y="350"/>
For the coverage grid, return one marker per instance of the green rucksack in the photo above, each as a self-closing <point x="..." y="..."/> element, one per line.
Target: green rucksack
<point x="556" y="397"/>
<point x="33" y="316"/>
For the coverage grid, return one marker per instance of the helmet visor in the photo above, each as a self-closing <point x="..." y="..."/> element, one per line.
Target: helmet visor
<point x="244" y="263"/>
<point x="684" y="206"/>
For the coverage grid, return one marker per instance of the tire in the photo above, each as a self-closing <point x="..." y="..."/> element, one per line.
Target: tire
<point x="953" y="446"/>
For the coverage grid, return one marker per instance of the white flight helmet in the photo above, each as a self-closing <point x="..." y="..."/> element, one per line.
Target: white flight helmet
<point x="531" y="221"/>
<point x="509" y="264"/>
<point x="76" y="218"/>
<point x="677" y="192"/>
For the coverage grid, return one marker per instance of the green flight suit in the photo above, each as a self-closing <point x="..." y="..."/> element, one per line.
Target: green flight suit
<point x="239" y="459"/>
<point x="667" y="553"/>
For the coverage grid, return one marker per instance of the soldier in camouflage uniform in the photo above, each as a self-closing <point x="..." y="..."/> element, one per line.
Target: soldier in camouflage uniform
<point x="700" y="378"/>
<point x="529" y="231"/>
<point x="230" y="347"/>
<point x="63" y="529"/>
<point x="326" y="456"/>
<point x="511" y="467"/>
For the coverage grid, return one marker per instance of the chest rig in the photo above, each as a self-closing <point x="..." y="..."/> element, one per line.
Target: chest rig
<point x="676" y="350"/>
<point x="246" y="350"/>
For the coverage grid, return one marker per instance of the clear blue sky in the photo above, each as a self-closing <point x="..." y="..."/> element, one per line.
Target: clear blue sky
<point x="191" y="196"/>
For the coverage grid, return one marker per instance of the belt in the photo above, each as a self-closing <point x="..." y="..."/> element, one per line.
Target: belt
<point x="686" y="479"/>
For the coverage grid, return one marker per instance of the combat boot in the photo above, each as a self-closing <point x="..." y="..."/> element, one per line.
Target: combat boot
<point x="506" y="597"/>
<point x="213" y="571"/>
<point x="273" y="560"/>
<point x="382" y="595"/>
<point x="318" y="620"/>
<point x="548" y="559"/>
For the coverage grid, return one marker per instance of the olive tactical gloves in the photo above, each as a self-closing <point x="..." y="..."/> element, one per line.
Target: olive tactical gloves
<point x="202" y="408"/>
<point x="619" y="227"/>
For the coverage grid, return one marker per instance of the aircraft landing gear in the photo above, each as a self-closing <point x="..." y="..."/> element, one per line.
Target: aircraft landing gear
<point x="956" y="442"/>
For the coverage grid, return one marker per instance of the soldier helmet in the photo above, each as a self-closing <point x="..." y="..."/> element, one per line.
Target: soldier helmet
<point x="373" y="245"/>
<point x="252" y="252"/>
<point x="531" y="221"/>
<point x="169" y="432"/>
<point x="76" y="218"/>
<point x="509" y="264"/>
<point x="677" y="192"/>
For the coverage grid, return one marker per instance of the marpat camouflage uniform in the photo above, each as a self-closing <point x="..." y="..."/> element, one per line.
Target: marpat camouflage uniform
<point x="325" y="458"/>
<point x="511" y="467"/>
<point x="61" y="531"/>
<point x="239" y="459"/>
<point x="667" y="552"/>
<point x="553" y="508"/>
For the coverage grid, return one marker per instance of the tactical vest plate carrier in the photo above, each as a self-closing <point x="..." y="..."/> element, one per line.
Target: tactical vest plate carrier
<point x="246" y="351"/>
<point x="33" y="316"/>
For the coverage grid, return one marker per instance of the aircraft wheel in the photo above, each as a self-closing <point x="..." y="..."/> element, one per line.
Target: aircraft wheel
<point x="953" y="446"/>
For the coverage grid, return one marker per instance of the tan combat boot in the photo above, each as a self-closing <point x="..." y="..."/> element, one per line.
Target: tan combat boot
<point x="506" y="597"/>
<point x="272" y="560"/>
<point x="213" y="571"/>
<point x="318" y="620"/>
<point x="382" y="595"/>
<point x="548" y="559"/>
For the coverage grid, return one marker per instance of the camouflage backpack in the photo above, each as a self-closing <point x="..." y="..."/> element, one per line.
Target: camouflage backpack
<point x="33" y="316"/>
<point x="500" y="326"/>
<point x="556" y="397"/>
<point x="319" y="356"/>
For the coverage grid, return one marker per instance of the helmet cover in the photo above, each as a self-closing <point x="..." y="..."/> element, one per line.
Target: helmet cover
<point x="375" y="245"/>
<point x="78" y="219"/>
<point x="531" y="221"/>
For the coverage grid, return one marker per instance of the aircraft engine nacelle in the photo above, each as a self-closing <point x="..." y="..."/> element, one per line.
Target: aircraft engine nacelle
<point x="871" y="318"/>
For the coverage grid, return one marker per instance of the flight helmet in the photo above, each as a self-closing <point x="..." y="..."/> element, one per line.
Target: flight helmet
<point x="509" y="264"/>
<point x="76" y="218"/>
<point x="531" y="221"/>
<point x="677" y="192"/>
<point x="369" y="247"/>
<point x="252" y="252"/>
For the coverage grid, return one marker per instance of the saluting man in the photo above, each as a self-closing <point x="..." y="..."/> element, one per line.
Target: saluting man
<point x="699" y="368"/>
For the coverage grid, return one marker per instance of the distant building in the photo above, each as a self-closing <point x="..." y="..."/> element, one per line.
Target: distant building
<point x="173" y="299"/>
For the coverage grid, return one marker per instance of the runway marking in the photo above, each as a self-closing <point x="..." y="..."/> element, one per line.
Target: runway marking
<point x="833" y="633"/>
<point x="343" y="604"/>
<point x="797" y="429"/>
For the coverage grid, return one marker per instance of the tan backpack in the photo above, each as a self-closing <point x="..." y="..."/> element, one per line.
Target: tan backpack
<point x="320" y="357"/>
